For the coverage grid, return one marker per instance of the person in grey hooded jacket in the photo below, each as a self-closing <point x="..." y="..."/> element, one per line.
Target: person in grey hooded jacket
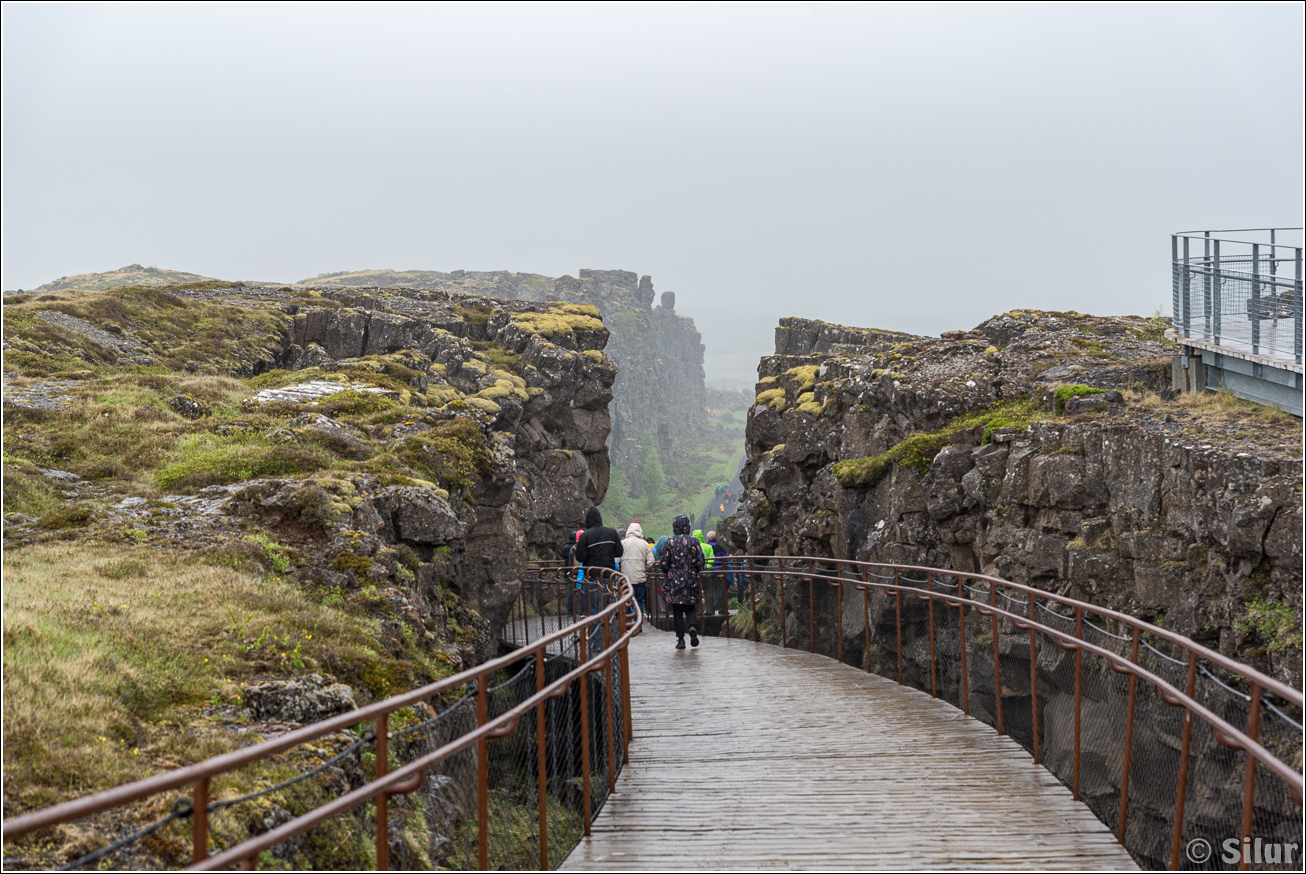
<point x="637" y="561"/>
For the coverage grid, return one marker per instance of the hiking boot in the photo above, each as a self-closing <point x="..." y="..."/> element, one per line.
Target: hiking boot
<point x="680" y="642"/>
<point x="693" y="638"/>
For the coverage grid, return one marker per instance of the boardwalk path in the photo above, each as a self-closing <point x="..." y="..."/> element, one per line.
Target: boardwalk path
<point x="750" y="756"/>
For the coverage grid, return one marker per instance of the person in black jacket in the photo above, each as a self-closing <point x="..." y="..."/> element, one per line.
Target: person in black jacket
<point x="598" y="547"/>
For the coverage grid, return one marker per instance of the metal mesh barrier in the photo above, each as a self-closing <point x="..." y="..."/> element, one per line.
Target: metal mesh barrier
<point x="1245" y="295"/>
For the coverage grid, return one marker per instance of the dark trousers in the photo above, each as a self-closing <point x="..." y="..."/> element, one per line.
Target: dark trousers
<point x="683" y="615"/>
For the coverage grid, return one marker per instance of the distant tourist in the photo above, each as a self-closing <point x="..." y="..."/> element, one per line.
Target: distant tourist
<point x="637" y="561"/>
<point x="682" y="561"/>
<point x="598" y="548"/>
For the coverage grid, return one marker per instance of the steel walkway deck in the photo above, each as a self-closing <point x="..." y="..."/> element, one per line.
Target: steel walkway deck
<point x="751" y="756"/>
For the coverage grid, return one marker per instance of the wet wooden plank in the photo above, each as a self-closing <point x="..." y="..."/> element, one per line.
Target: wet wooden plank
<point x="751" y="756"/>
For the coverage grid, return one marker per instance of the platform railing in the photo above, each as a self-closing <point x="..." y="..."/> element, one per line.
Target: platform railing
<point x="1213" y="753"/>
<point x="598" y="736"/>
<point x="1241" y="289"/>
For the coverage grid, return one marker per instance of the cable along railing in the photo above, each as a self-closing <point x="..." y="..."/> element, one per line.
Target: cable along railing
<point x="501" y="766"/>
<point x="1148" y="728"/>
<point x="1241" y="289"/>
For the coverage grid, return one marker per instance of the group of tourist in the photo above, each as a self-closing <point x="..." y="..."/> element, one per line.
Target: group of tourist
<point x="682" y="556"/>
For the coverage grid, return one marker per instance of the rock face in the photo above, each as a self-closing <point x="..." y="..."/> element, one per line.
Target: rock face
<point x="525" y="387"/>
<point x="659" y="355"/>
<point x="860" y="447"/>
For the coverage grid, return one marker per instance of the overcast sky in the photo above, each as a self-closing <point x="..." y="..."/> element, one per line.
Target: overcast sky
<point x="917" y="167"/>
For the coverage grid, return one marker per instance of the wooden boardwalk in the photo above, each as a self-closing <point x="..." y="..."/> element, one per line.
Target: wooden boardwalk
<point x="751" y="756"/>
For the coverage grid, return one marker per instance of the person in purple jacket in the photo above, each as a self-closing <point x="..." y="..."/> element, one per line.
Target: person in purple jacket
<point x="682" y="560"/>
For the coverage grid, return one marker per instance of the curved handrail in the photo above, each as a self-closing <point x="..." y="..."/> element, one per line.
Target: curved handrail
<point x="897" y="581"/>
<point x="199" y="774"/>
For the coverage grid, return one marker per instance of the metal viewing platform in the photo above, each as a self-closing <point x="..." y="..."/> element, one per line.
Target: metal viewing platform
<point x="1238" y="313"/>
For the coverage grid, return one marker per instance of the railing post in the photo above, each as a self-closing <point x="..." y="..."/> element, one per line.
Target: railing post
<point x="383" y="800"/>
<point x="1256" y="299"/>
<point x="200" y="823"/>
<point x="609" y="706"/>
<point x="541" y="763"/>
<point x="483" y="775"/>
<point x="1185" y="744"/>
<point x="866" y="613"/>
<point x="1129" y="735"/>
<point x="897" y="618"/>
<point x="583" y="643"/>
<point x="1079" y="692"/>
<point x="752" y="597"/>
<point x="627" y="722"/>
<point x="784" y="618"/>
<point x="1297" y="307"/>
<point x="997" y="662"/>
<point x="838" y="634"/>
<point x="1206" y="282"/>
<point x="1033" y="676"/>
<point x="1216" y="290"/>
<point x="1249" y="783"/>
<point x="1176" y="281"/>
<point x="1185" y="290"/>
<point x="934" y="685"/>
<point x="961" y="625"/>
<point x="811" y="607"/>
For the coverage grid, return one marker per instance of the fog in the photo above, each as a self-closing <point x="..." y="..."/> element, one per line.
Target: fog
<point x="915" y="167"/>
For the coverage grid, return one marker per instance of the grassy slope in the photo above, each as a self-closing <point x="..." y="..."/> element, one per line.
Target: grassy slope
<point x="113" y="649"/>
<point x="109" y="649"/>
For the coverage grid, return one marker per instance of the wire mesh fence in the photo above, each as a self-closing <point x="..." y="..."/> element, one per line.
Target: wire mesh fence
<point x="1241" y="294"/>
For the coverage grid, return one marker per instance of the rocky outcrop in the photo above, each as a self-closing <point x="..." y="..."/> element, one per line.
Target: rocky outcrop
<point x="1040" y="448"/>
<point x="310" y="698"/>
<point x="659" y="387"/>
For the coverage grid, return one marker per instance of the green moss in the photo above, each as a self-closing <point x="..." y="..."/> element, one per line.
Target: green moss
<point x="485" y="405"/>
<point x="1065" y="392"/>
<point x="451" y="453"/>
<point x="1274" y="622"/>
<point x="773" y="398"/>
<point x="804" y="375"/>
<point x="560" y="319"/>
<point x="347" y="562"/>
<point x="439" y="395"/>
<point x="917" y="451"/>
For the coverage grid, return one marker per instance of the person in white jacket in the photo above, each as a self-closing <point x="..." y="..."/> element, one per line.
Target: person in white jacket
<point x="637" y="561"/>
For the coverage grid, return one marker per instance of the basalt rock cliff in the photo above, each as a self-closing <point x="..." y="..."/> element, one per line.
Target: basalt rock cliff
<point x="396" y="446"/>
<point x="1043" y="448"/>
<point x="659" y="354"/>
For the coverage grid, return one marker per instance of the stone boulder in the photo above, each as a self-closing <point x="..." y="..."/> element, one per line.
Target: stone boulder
<point x="306" y="699"/>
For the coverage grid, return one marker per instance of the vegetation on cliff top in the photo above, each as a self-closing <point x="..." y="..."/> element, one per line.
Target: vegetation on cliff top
<point x="917" y="451"/>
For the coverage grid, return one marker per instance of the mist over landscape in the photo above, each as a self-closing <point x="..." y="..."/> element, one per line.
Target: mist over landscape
<point x="918" y="168"/>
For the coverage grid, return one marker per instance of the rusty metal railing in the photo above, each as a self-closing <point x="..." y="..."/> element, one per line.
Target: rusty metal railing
<point x="609" y="630"/>
<point x="980" y="642"/>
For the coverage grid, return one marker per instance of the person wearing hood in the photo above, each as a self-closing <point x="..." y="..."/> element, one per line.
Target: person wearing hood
<point x="682" y="561"/>
<point x="708" y="558"/>
<point x="636" y="561"/>
<point x="599" y="547"/>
